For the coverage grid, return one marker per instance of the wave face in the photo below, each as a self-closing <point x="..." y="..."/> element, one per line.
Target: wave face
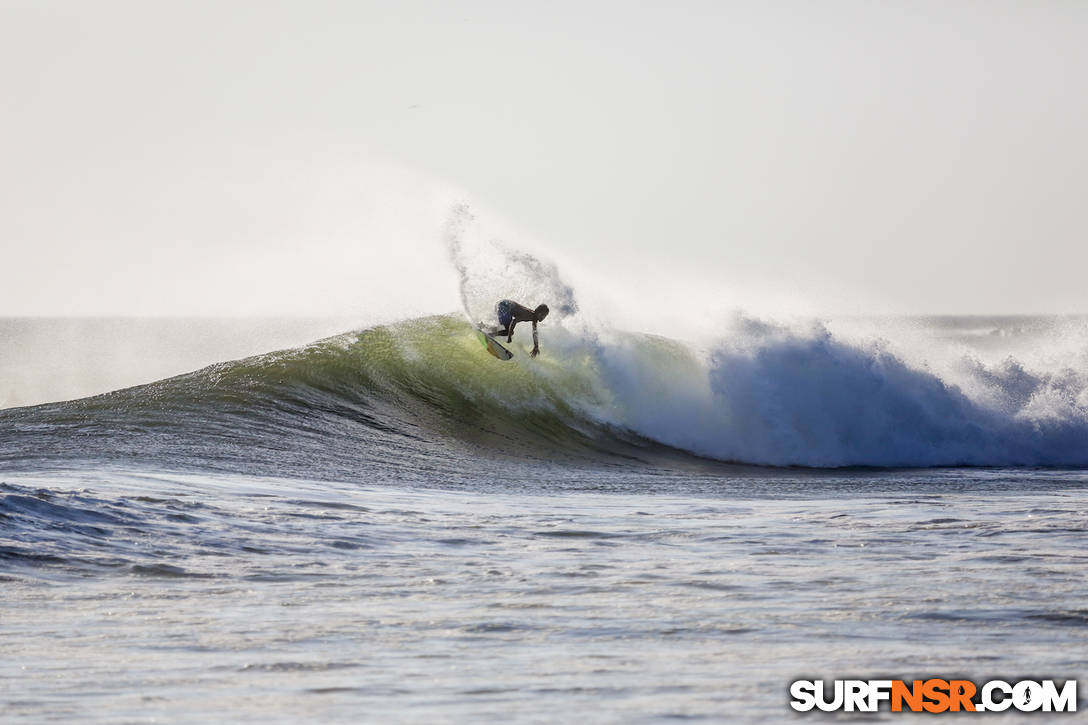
<point x="422" y="395"/>
<point x="392" y="400"/>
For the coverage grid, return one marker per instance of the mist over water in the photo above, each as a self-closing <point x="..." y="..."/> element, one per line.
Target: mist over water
<point x="855" y="391"/>
<point x="43" y="360"/>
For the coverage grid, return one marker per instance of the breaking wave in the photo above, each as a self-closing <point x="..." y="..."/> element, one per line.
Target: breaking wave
<point x="423" y="393"/>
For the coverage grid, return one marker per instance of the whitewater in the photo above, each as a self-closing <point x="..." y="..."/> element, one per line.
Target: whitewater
<point x="389" y="525"/>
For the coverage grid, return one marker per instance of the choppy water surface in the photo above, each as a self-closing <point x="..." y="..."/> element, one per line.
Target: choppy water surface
<point x="621" y="597"/>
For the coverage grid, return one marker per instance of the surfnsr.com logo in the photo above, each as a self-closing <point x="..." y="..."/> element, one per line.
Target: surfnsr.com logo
<point x="934" y="695"/>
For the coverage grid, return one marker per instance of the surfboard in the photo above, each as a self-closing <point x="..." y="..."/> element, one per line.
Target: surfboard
<point x="492" y="345"/>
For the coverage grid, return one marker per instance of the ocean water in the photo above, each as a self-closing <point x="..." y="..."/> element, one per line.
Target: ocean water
<point x="388" y="525"/>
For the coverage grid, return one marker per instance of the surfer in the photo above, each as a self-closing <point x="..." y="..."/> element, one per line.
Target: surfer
<point x="511" y="313"/>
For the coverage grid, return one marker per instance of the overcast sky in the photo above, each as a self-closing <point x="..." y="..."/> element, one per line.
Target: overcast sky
<point x="299" y="157"/>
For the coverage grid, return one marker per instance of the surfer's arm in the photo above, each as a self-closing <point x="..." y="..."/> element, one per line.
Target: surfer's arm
<point x="510" y="331"/>
<point x="536" y="343"/>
